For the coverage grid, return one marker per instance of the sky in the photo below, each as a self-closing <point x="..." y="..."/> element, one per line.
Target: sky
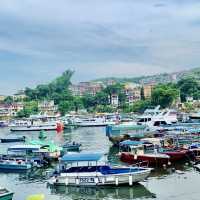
<point x="39" y="39"/>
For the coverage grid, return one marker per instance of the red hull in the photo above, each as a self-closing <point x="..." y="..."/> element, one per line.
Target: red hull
<point x="176" y="155"/>
<point x="152" y="161"/>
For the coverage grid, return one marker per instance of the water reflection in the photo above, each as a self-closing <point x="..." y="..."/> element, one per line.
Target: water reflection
<point x="138" y="191"/>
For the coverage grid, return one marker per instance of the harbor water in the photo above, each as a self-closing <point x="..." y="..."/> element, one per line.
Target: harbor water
<point x="180" y="182"/>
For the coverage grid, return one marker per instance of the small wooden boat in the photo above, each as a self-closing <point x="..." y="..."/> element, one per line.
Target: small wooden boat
<point x="73" y="146"/>
<point x="11" y="139"/>
<point x="5" y="194"/>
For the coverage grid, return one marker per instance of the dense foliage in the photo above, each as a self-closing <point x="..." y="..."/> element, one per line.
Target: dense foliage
<point x="58" y="90"/>
<point x="164" y="95"/>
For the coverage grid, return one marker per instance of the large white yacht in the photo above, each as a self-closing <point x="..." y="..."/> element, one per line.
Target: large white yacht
<point x="156" y="117"/>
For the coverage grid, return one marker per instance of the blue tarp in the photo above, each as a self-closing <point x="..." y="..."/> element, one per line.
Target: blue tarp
<point x="130" y="142"/>
<point x="81" y="157"/>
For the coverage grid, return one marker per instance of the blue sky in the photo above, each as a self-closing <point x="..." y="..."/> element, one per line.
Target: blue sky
<point x="39" y="39"/>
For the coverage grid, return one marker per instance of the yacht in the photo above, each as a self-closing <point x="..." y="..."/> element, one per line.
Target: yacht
<point x="154" y="118"/>
<point x="35" y="123"/>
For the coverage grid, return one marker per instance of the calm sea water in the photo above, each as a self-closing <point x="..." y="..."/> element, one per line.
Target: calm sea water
<point x="162" y="184"/>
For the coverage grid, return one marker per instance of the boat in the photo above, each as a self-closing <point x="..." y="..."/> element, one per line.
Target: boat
<point x="90" y="121"/>
<point x="14" y="165"/>
<point x="36" y="123"/>
<point x="71" y="146"/>
<point x="176" y="154"/>
<point x="87" y="169"/>
<point x="138" y="153"/>
<point x="121" y="132"/>
<point x="31" y="153"/>
<point x="12" y="139"/>
<point x="5" y="194"/>
<point x="3" y="123"/>
<point x="48" y="148"/>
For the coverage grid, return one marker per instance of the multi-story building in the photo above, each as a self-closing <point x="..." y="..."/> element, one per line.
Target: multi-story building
<point x="10" y="110"/>
<point x="86" y="88"/>
<point x="132" y="92"/>
<point x="20" y="95"/>
<point x="2" y="98"/>
<point x="47" y="107"/>
<point x="114" y="100"/>
<point x="148" y="88"/>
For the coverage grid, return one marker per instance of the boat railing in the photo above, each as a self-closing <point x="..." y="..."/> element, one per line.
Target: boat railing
<point x="141" y="164"/>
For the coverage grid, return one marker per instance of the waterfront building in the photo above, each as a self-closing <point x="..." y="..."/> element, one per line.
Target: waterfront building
<point x="132" y="92"/>
<point x="114" y="100"/>
<point x="47" y="107"/>
<point x="10" y="110"/>
<point x="148" y="88"/>
<point x="2" y="98"/>
<point x="82" y="88"/>
<point x="19" y="96"/>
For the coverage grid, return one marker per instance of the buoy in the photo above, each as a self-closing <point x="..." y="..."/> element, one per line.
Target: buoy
<point x="130" y="180"/>
<point x="59" y="127"/>
<point x="116" y="181"/>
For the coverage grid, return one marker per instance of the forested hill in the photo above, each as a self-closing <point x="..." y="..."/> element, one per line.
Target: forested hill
<point x="158" y="78"/>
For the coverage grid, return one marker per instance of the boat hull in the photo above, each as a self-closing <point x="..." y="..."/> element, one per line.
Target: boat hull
<point x="7" y="196"/>
<point x="14" y="167"/>
<point x="32" y="128"/>
<point x="151" y="160"/>
<point x="12" y="140"/>
<point x="102" y="180"/>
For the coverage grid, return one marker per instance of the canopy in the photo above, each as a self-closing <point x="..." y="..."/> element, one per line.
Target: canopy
<point x="24" y="148"/>
<point x="81" y="157"/>
<point x="130" y="142"/>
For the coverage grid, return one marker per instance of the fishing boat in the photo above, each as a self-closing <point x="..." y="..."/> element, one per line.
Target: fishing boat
<point x="86" y="169"/>
<point x="72" y="146"/>
<point x="14" y="165"/>
<point x="48" y="148"/>
<point x="140" y="153"/>
<point x="5" y="194"/>
<point x="12" y="139"/>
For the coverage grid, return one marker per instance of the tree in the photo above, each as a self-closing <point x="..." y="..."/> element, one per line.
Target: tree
<point x="139" y="106"/>
<point x="8" y="100"/>
<point x="115" y="89"/>
<point x="189" y="87"/>
<point x="142" y="93"/>
<point x="164" y="95"/>
<point x="65" y="106"/>
<point x="29" y="109"/>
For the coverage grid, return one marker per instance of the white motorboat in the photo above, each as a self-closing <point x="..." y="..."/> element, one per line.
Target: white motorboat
<point x="84" y="169"/>
<point x="155" y="118"/>
<point x="91" y="121"/>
